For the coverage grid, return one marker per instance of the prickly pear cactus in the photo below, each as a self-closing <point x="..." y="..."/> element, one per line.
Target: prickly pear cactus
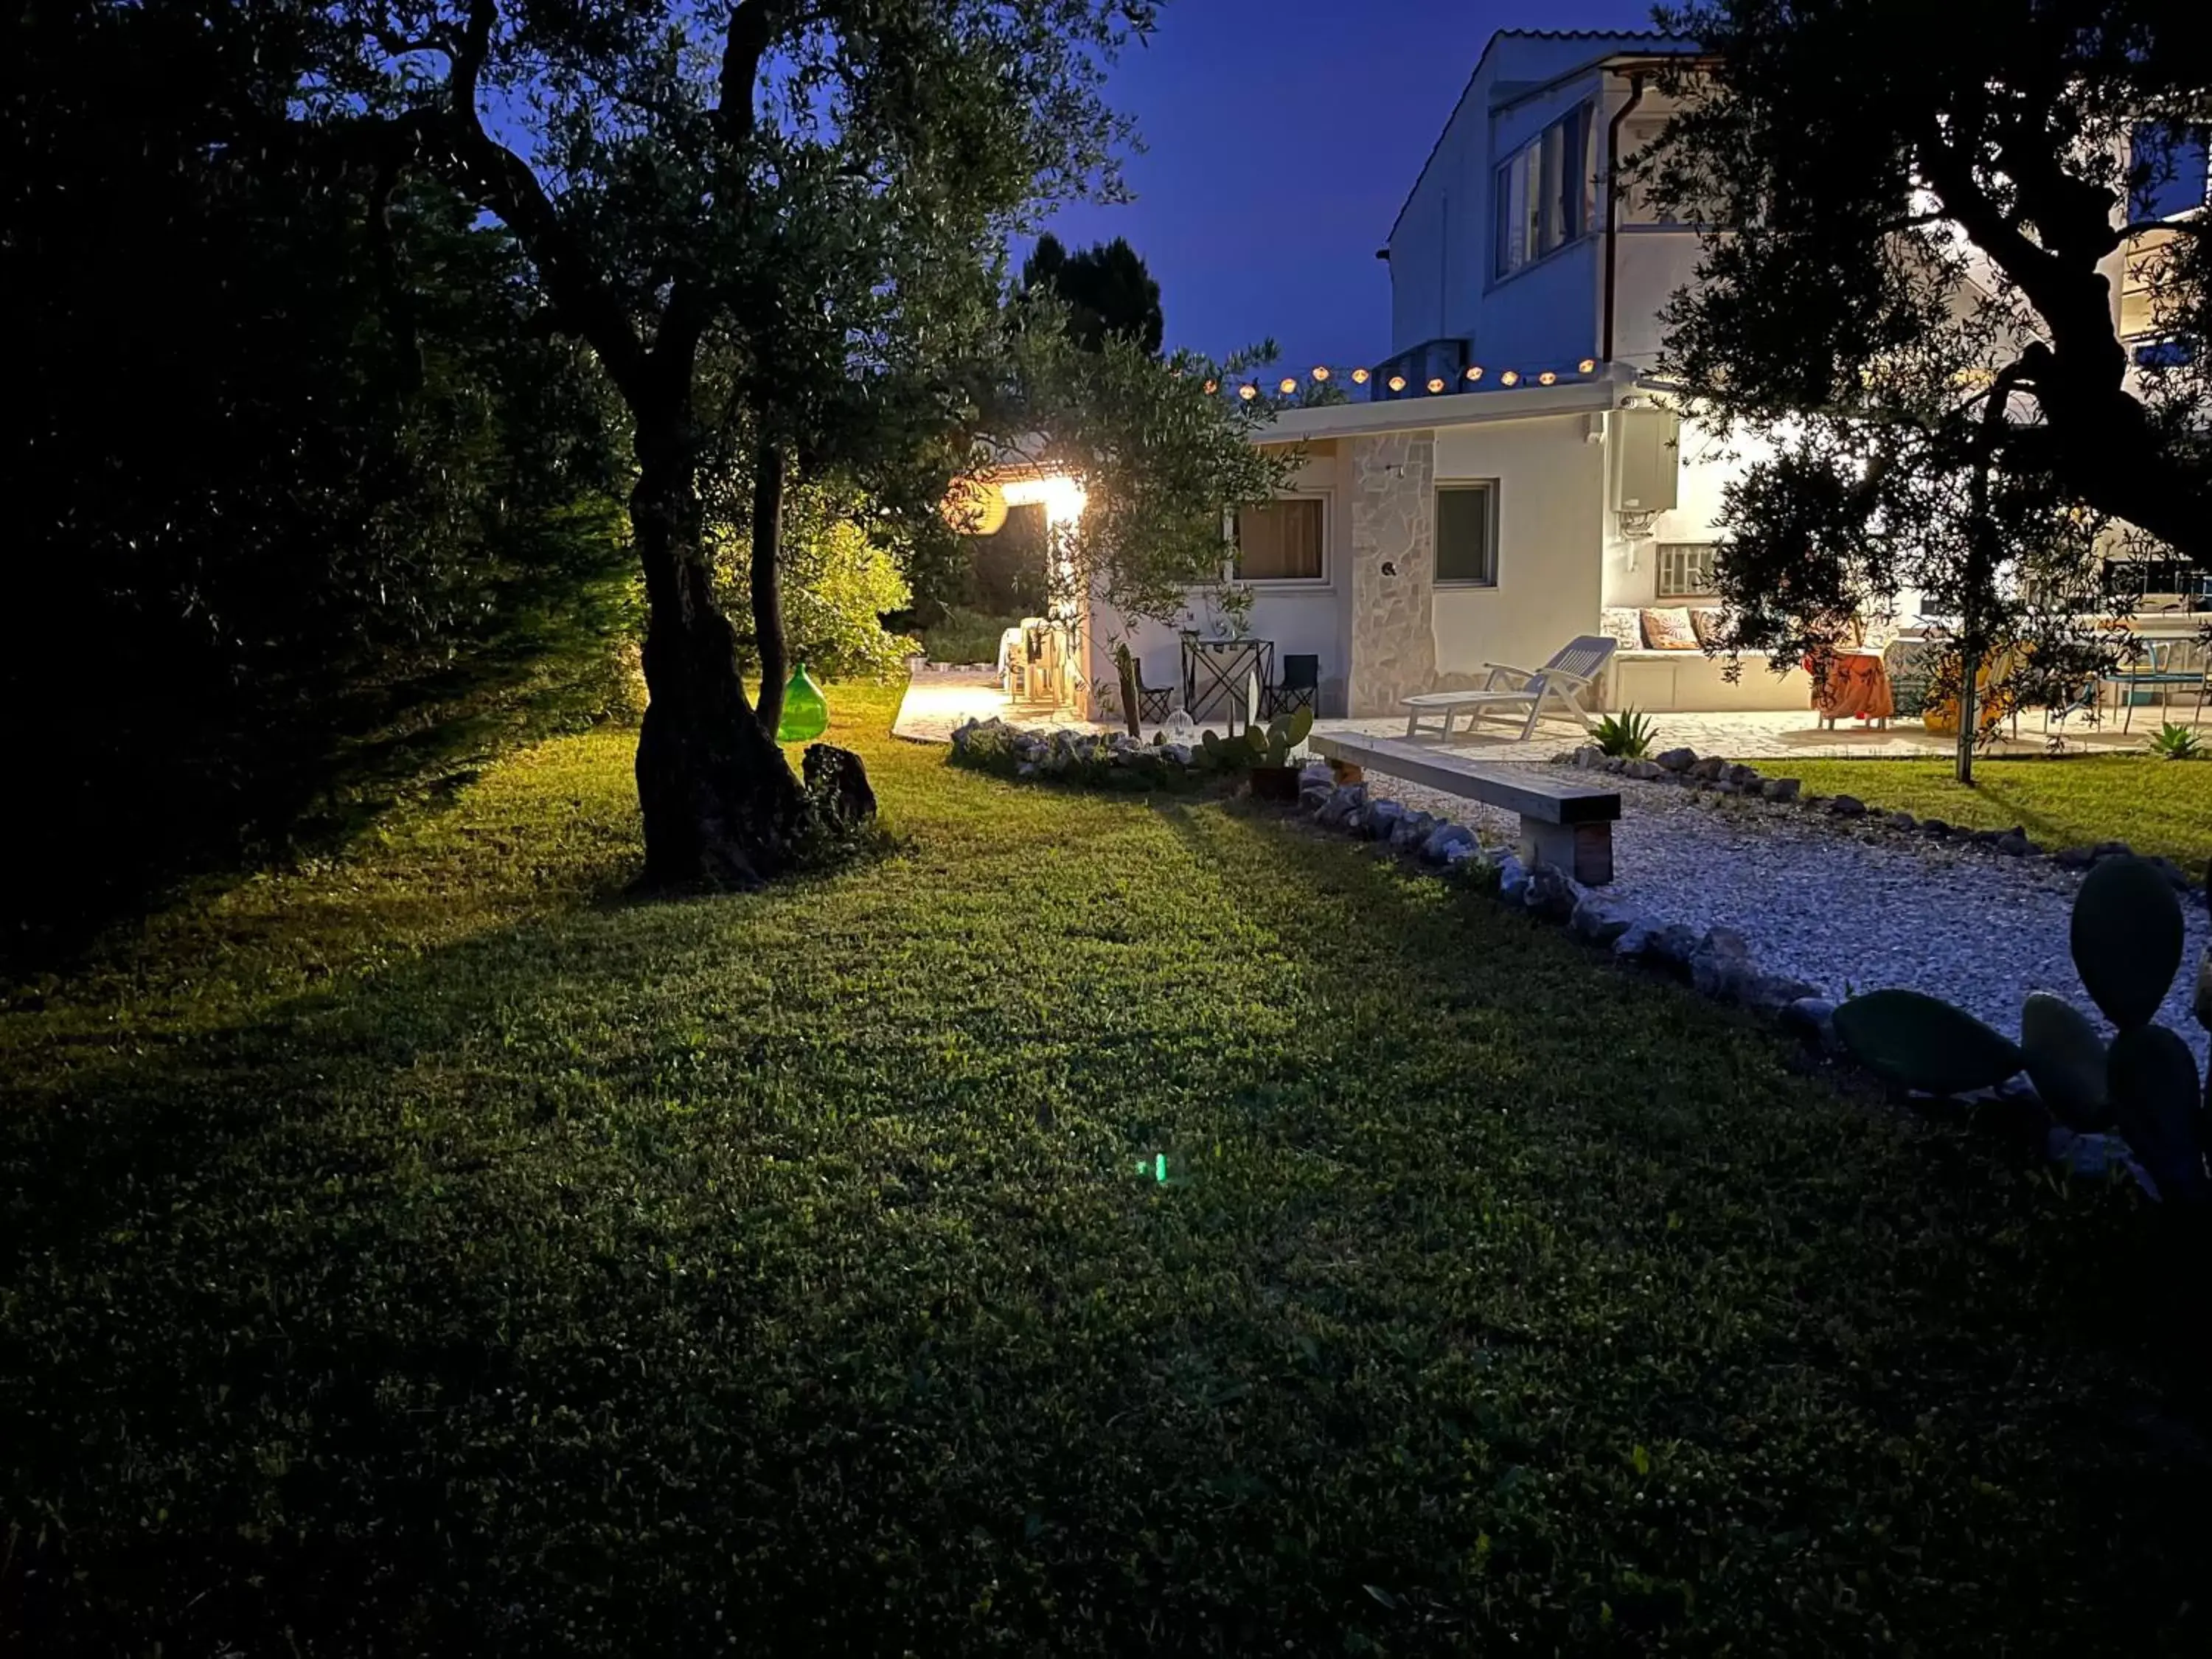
<point x="1919" y="1041"/>
<point x="2127" y="938"/>
<point x="2065" y="1058"/>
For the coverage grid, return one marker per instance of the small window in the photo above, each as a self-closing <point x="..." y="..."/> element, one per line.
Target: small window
<point x="1466" y="534"/>
<point x="1685" y="570"/>
<point x="1279" y="540"/>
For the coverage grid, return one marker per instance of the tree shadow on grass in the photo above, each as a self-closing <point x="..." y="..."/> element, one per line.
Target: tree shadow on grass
<point x="626" y="1278"/>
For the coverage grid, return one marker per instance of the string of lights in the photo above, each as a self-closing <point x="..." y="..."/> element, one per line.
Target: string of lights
<point x="1474" y="374"/>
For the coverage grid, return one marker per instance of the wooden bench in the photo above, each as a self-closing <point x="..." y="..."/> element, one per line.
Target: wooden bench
<point x="1562" y="823"/>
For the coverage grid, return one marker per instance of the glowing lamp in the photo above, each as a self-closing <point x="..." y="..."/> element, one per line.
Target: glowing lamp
<point x="973" y="508"/>
<point x="1474" y="371"/>
<point x="1247" y="392"/>
<point x="1359" y="377"/>
<point x="1289" y="385"/>
<point x="1397" y="383"/>
<point x="1508" y="378"/>
<point x="1588" y="366"/>
<point x="1321" y="371"/>
<point x="1547" y="378"/>
<point x="1213" y="386"/>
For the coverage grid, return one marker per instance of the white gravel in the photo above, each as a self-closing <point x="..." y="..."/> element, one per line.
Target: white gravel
<point x="1846" y="907"/>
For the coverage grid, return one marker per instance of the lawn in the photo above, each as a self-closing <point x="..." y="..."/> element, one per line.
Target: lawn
<point x="2156" y="806"/>
<point x="437" y="1252"/>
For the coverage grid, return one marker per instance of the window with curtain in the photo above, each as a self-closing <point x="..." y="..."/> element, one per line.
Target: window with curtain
<point x="1280" y="540"/>
<point x="1466" y="534"/>
<point x="1545" y="192"/>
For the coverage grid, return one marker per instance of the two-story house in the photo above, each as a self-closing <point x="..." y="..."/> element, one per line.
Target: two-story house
<point x="1517" y="478"/>
<point x="1510" y="485"/>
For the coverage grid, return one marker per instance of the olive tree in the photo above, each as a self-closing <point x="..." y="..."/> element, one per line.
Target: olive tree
<point x="778" y="203"/>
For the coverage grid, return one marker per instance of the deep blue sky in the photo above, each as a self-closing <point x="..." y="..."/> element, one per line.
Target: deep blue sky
<point x="1282" y="136"/>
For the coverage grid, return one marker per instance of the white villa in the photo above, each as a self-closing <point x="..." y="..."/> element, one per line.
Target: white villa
<point x="1517" y="479"/>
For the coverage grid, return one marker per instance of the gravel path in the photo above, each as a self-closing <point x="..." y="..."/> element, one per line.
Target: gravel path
<point x="1846" y="907"/>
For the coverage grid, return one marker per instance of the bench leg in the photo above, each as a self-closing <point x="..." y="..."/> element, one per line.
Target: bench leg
<point x="1585" y="851"/>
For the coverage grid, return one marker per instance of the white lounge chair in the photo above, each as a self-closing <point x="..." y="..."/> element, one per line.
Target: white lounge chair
<point x="1509" y="694"/>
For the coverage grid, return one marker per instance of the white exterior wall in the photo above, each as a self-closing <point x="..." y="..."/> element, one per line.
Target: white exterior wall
<point x="1551" y="496"/>
<point x="1303" y="618"/>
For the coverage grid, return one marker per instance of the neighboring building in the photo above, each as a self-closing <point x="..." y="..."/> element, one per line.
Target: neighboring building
<point x="1540" y="493"/>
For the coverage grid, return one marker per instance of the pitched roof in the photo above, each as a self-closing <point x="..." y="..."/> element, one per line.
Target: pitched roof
<point x="1656" y="41"/>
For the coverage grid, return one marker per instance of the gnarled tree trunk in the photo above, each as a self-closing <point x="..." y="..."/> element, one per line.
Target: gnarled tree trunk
<point x="720" y="804"/>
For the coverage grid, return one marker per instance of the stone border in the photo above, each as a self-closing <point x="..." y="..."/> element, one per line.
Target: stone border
<point x="1715" y="962"/>
<point x="1711" y="774"/>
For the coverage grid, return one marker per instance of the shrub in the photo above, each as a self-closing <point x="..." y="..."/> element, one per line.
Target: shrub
<point x="1628" y="734"/>
<point x="2175" y="742"/>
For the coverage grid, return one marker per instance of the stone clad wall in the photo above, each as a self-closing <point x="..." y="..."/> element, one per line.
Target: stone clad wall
<point x="1388" y="482"/>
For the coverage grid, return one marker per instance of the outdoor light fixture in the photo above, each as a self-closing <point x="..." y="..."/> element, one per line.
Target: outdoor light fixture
<point x="1474" y="371"/>
<point x="1547" y="378"/>
<point x="1435" y="385"/>
<point x="1247" y="392"/>
<point x="1359" y="377"/>
<point x="1213" y="386"/>
<point x="1289" y="385"/>
<point x="1321" y="371"/>
<point x="1397" y="383"/>
<point x="1588" y="366"/>
<point x="1508" y="378"/>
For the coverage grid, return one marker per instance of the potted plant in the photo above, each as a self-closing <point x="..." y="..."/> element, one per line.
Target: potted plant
<point x="1273" y="777"/>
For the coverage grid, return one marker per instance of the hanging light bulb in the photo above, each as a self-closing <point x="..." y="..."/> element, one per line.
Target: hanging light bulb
<point x="1474" y="371"/>
<point x="1508" y="378"/>
<point x="1547" y="378"/>
<point x="1359" y="377"/>
<point x="1588" y="366"/>
<point x="1435" y="383"/>
<point x="1397" y="383"/>
<point x="1247" y="392"/>
<point x="1289" y="385"/>
<point x="1321" y="371"/>
<point x="1213" y="386"/>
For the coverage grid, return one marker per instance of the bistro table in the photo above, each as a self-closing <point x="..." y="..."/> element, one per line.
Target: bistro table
<point x="1222" y="669"/>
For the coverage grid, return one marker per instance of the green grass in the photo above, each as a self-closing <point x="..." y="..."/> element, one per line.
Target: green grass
<point x="2156" y="806"/>
<point x="437" y="1252"/>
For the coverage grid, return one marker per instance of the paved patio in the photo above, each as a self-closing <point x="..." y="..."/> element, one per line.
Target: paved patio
<point x="933" y="707"/>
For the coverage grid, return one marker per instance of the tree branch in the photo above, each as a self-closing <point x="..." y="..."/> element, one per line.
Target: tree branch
<point x="506" y="184"/>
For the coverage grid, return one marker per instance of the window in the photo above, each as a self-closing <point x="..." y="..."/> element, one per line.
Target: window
<point x="1685" y="570"/>
<point x="1466" y="534"/>
<point x="1280" y="540"/>
<point x="1545" y="192"/>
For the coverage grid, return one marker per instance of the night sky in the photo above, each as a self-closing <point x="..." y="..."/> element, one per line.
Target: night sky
<point x="1282" y="136"/>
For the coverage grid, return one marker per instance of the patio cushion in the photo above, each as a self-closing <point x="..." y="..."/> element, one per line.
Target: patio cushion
<point x="1620" y="624"/>
<point x="1705" y="624"/>
<point x="1668" y="630"/>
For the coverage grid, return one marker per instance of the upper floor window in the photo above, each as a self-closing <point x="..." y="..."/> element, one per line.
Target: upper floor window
<point x="1280" y="540"/>
<point x="1545" y="192"/>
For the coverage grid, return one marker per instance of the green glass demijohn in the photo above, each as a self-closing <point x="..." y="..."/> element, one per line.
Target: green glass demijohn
<point x="805" y="710"/>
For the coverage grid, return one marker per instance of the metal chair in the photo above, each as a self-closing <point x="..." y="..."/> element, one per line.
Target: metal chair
<point x="1301" y="681"/>
<point x="1154" y="703"/>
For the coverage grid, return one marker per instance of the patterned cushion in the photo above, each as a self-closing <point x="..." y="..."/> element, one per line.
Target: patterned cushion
<point x="1668" y="630"/>
<point x="1618" y="623"/>
<point x="1705" y="624"/>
